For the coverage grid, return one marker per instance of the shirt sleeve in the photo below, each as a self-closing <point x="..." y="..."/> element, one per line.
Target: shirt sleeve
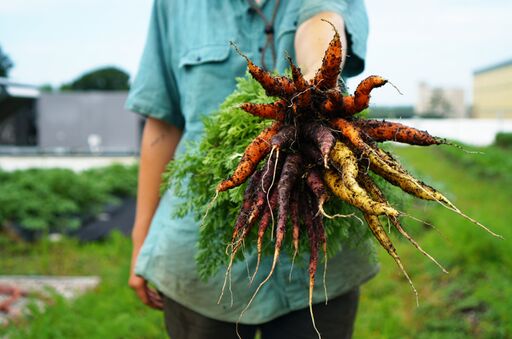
<point x="154" y="93"/>
<point x="356" y="26"/>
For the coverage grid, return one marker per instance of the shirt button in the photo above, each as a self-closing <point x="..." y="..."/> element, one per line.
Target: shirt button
<point x="198" y="58"/>
<point x="260" y="49"/>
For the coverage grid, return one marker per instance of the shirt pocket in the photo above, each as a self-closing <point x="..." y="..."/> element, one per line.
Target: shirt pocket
<point x="288" y="27"/>
<point x="204" y="55"/>
<point x="205" y="78"/>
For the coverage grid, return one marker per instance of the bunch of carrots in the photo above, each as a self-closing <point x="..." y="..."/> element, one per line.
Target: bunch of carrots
<point x="317" y="149"/>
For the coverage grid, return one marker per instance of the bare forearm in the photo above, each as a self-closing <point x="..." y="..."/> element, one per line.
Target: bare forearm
<point x="313" y="37"/>
<point x="159" y="141"/>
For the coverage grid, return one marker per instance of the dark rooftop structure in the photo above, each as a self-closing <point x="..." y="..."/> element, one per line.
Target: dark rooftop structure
<point x="18" y="113"/>
<point x="71" y="122"/>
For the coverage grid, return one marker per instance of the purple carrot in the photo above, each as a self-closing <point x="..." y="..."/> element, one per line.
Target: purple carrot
<point x="317" y="186"/>
<point x="284" y="138"/>
<point x="322" y="136"/>
<point x="312" y="153"/>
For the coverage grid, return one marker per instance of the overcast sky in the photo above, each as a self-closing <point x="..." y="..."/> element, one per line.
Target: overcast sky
<point x="439" y="42"/>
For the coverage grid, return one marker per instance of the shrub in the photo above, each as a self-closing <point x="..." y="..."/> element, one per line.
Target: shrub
<point x="503" y="139"/>
<point x="59" y="199"/>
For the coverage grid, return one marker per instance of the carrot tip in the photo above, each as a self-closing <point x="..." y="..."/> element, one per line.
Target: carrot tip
<point x="332" y="25"/>
<point x="240" y="52"/>
<point x="396" y="87"/>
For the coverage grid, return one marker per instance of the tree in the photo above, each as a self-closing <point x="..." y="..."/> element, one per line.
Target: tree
<point x="439" y="106"/>
<point x="5" y="64"/>
<point x="102" y="79"/>
<point x="48" y="88"/>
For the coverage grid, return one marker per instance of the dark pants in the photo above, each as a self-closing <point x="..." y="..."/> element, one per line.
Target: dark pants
<point x="334" y="321"/>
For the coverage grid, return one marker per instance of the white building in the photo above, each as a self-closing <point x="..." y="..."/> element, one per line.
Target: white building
<point x="440" y="102"/>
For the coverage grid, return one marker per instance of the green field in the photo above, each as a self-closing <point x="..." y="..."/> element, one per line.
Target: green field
<point x="110" y="311"/>
<point x="473" y="301"/>
<point x="475" y="298"/>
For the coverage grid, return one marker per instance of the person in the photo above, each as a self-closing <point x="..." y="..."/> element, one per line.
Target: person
<point x="187" y="69"/>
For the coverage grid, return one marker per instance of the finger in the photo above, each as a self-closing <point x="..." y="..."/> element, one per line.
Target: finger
<point x="153" y="294"/>
<point x="141" y="293"/>
<point x="156" y="304"/>
<point x="155" y="299"/>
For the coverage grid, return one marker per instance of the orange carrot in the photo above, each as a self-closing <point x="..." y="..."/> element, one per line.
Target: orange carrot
<point x="351" y="133"/>
<point x="302" y="100"/>
<point x="253" y="154"/>
<point x="362" y="93"/>
<point x="298" y="79"/>
<point x="280" y="86"/>
<point x="393" y="131"/>
<point x="349" y="107"/>
<point x="333" y="104"/>
<point x="275" y="110"/>
<point x="327" y="76"/>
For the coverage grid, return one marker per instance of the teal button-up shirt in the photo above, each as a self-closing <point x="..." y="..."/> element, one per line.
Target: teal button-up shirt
<point x="187" y="70"/>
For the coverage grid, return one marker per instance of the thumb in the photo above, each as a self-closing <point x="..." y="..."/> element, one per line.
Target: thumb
<point x="139" y="284"/>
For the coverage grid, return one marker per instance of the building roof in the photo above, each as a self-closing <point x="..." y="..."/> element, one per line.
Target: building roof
<point x="493" y="67"/>
<point x="19" y="90"/>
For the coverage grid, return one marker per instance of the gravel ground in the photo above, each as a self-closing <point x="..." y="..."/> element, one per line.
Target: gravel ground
<point x="42" y="287"/>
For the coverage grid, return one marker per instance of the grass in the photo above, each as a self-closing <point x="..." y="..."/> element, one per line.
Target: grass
<point x="489" y="162"/>
<point x="475" y="298"/>
<point x="110" y="311"/>
<point x="472" y="301"/>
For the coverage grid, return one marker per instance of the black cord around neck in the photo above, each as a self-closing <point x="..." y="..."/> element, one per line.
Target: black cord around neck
<point x="269" y="31"/>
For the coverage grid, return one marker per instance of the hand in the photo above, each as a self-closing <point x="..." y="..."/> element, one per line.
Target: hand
<point x="139" y="285"/>
<point x="146" y="294"/>
<point x="312" y="38"/>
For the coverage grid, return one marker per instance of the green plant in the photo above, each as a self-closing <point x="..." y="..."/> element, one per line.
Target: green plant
<point x="490" y="162"/>
<point x="57" y="199"/>
<point x="473" y="300"/>
<point x="111" y="310"/>
<point x="503" y="139"/>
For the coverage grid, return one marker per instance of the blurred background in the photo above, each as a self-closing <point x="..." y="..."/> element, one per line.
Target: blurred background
<point x="68" y="153"/>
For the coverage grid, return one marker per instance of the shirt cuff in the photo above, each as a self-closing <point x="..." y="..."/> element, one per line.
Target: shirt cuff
<point x="147" y="110"/>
